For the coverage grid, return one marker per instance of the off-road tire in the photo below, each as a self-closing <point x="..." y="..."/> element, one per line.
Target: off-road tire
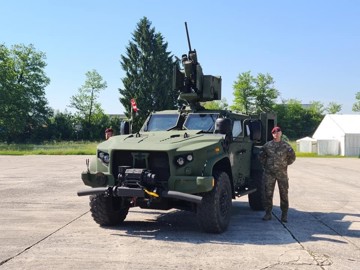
<point x="214" y="212"/>
<point x="107" y="211"/>
<point x="257" y="199"/>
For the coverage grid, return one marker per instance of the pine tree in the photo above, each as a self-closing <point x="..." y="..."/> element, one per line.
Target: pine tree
<point x="149" y="68"/>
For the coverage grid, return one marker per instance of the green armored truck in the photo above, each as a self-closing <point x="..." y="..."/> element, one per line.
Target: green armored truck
<point x="190" y="159"/>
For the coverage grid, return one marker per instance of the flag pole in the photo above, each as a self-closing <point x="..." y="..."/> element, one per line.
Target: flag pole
<point x="131" y="118"/>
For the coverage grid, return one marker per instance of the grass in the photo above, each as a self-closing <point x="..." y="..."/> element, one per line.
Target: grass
<point x="51" y="148"/>
<point x="81" y="148"/>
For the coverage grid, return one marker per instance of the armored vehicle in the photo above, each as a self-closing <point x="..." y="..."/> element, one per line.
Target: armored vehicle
<point x="190" y="159"/>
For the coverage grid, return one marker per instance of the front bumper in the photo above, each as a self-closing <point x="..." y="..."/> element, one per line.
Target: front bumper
<point x="99" y="179"/>
<point x="139" y="193"/>
<point x="185" y="184"/>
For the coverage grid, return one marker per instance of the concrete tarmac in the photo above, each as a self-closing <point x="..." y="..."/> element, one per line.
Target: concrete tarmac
<point x="45" y="225"/>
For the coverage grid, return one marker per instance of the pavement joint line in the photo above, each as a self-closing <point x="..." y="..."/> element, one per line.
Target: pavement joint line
<point x="318" y="262"/>
<point x="44" y="238"/>
<point x="332" y="229"/>
<point x="286" y="228"/>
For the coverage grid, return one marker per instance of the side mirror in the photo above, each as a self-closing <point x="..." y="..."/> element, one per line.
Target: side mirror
<point x="223" y="126"/>
<point x="255" y="130"/>
<point x="124" y="127"/>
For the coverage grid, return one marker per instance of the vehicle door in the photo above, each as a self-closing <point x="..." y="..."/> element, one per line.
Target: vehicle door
<point x="240" y="152"/>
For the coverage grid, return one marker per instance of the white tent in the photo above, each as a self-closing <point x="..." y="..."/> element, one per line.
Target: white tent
<point x="306" y="145"/>
<point x="339" y="134"/>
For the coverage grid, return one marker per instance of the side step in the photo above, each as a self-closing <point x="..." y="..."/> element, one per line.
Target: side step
<point x="245" y="192"/>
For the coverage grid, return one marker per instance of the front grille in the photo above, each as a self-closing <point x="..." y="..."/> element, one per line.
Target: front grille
<point x="156" y="162"/>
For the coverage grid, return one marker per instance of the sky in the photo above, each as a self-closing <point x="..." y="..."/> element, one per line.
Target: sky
<point x="310" y="48"/>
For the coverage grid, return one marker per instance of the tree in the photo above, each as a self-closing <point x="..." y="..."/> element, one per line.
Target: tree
<point x="254" y="95"/>
<point x="296" y="120"/>
<point x="356" y="105"/>
<point x="289" y="115"/>
<point x="333" y="108"/>
<point x="264" y="93"/>
<point x="62" y="126"/>
<point x="314" y="113"/>
<point x="316" y="107"/>
<point x="89" y="111"/>
<point x="149" y="68"/>
<point x="243" y="93"/>
<point x="216" y="104"/>
<point x="24" y="110"/>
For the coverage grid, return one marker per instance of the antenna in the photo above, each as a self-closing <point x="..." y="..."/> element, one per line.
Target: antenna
<point x="187" y="34"/>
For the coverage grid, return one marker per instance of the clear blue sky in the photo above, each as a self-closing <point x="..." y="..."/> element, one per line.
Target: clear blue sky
<point x="310" y="48"/>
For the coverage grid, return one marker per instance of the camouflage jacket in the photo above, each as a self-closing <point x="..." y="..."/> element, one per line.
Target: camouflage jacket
<point x="276" y="156"/>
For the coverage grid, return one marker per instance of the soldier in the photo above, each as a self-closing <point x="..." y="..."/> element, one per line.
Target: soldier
<point x="108" y="133"/>
<point x="275" y="157"/>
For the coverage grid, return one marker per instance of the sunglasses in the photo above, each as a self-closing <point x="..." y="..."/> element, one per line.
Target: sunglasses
<point x="276" y="131"/>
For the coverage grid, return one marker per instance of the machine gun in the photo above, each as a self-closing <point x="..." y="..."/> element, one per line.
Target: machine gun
<point x="192" y="85"/>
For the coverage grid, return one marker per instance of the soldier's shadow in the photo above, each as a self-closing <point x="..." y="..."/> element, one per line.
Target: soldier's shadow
<point x="246" y="227"/>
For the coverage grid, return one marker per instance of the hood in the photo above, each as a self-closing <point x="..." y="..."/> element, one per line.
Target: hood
<point x="161" y="141"/>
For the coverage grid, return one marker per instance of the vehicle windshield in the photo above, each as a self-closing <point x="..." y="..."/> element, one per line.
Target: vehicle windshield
<point x="202" y="121"/>
<point x="161" y="122"/>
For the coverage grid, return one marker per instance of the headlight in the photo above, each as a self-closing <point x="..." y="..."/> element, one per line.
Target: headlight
<point x="180" y="161"/>
<point x="104" y="157"/>
<point x="183" y="159"/>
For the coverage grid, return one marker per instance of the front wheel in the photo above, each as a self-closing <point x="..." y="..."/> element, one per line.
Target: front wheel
<point x="214" y="212"/>
<point x="107" y="211"/>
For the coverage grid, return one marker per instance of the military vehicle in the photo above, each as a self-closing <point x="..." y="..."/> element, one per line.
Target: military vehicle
<point x="190" y="159"/>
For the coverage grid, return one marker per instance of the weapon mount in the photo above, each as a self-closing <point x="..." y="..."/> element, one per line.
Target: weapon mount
<point x="193" y="86"/>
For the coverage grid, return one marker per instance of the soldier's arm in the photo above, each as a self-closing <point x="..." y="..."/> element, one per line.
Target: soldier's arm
<point x="291" y="156"/>
<point x="262" y="155"/>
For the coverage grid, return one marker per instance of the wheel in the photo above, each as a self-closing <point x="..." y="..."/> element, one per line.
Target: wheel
<point x="107" y="211"/>
<point x="257" y="198"/>
<point x="214" y="212"/>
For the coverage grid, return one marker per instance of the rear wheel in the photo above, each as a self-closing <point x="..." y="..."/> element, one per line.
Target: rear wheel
<point x="107" y="211"/>
<point x="214" y="212"/>
<point x="257" y="198"/>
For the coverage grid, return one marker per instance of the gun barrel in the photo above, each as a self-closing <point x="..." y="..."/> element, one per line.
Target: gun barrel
<point x="188" y="38"/>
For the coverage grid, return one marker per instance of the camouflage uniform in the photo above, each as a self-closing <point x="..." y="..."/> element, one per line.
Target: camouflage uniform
<point x="275" y="158"/>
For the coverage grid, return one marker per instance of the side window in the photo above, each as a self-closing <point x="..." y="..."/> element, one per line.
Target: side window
<point x="237" y="128"/>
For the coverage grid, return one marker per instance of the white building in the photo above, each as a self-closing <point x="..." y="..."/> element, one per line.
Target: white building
<point x="339" y="134"/>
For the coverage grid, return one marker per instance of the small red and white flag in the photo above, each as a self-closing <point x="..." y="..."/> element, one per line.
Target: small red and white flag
<point x="133" y="105"/>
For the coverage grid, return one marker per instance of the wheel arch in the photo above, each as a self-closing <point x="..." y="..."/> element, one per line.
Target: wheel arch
<point x="225" y="166"/>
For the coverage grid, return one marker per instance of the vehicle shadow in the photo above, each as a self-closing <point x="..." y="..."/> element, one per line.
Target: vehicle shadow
<point x="246" y="227"/>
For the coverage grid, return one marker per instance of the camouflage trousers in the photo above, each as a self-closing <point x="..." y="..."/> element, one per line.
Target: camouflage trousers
<point x="283" y="184"/>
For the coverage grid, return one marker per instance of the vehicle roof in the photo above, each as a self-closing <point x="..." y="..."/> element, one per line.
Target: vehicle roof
<point x="226" y="113"/>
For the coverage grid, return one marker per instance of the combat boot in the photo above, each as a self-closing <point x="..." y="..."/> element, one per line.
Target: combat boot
<point x="267" y="216"/>
<point x="284" y="217"/>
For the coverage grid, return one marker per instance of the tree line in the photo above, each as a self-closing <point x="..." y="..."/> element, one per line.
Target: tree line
<point x="25" y="115"/>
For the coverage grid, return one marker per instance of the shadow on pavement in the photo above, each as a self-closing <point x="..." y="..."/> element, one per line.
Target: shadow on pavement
<point x="246" y="227"/>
